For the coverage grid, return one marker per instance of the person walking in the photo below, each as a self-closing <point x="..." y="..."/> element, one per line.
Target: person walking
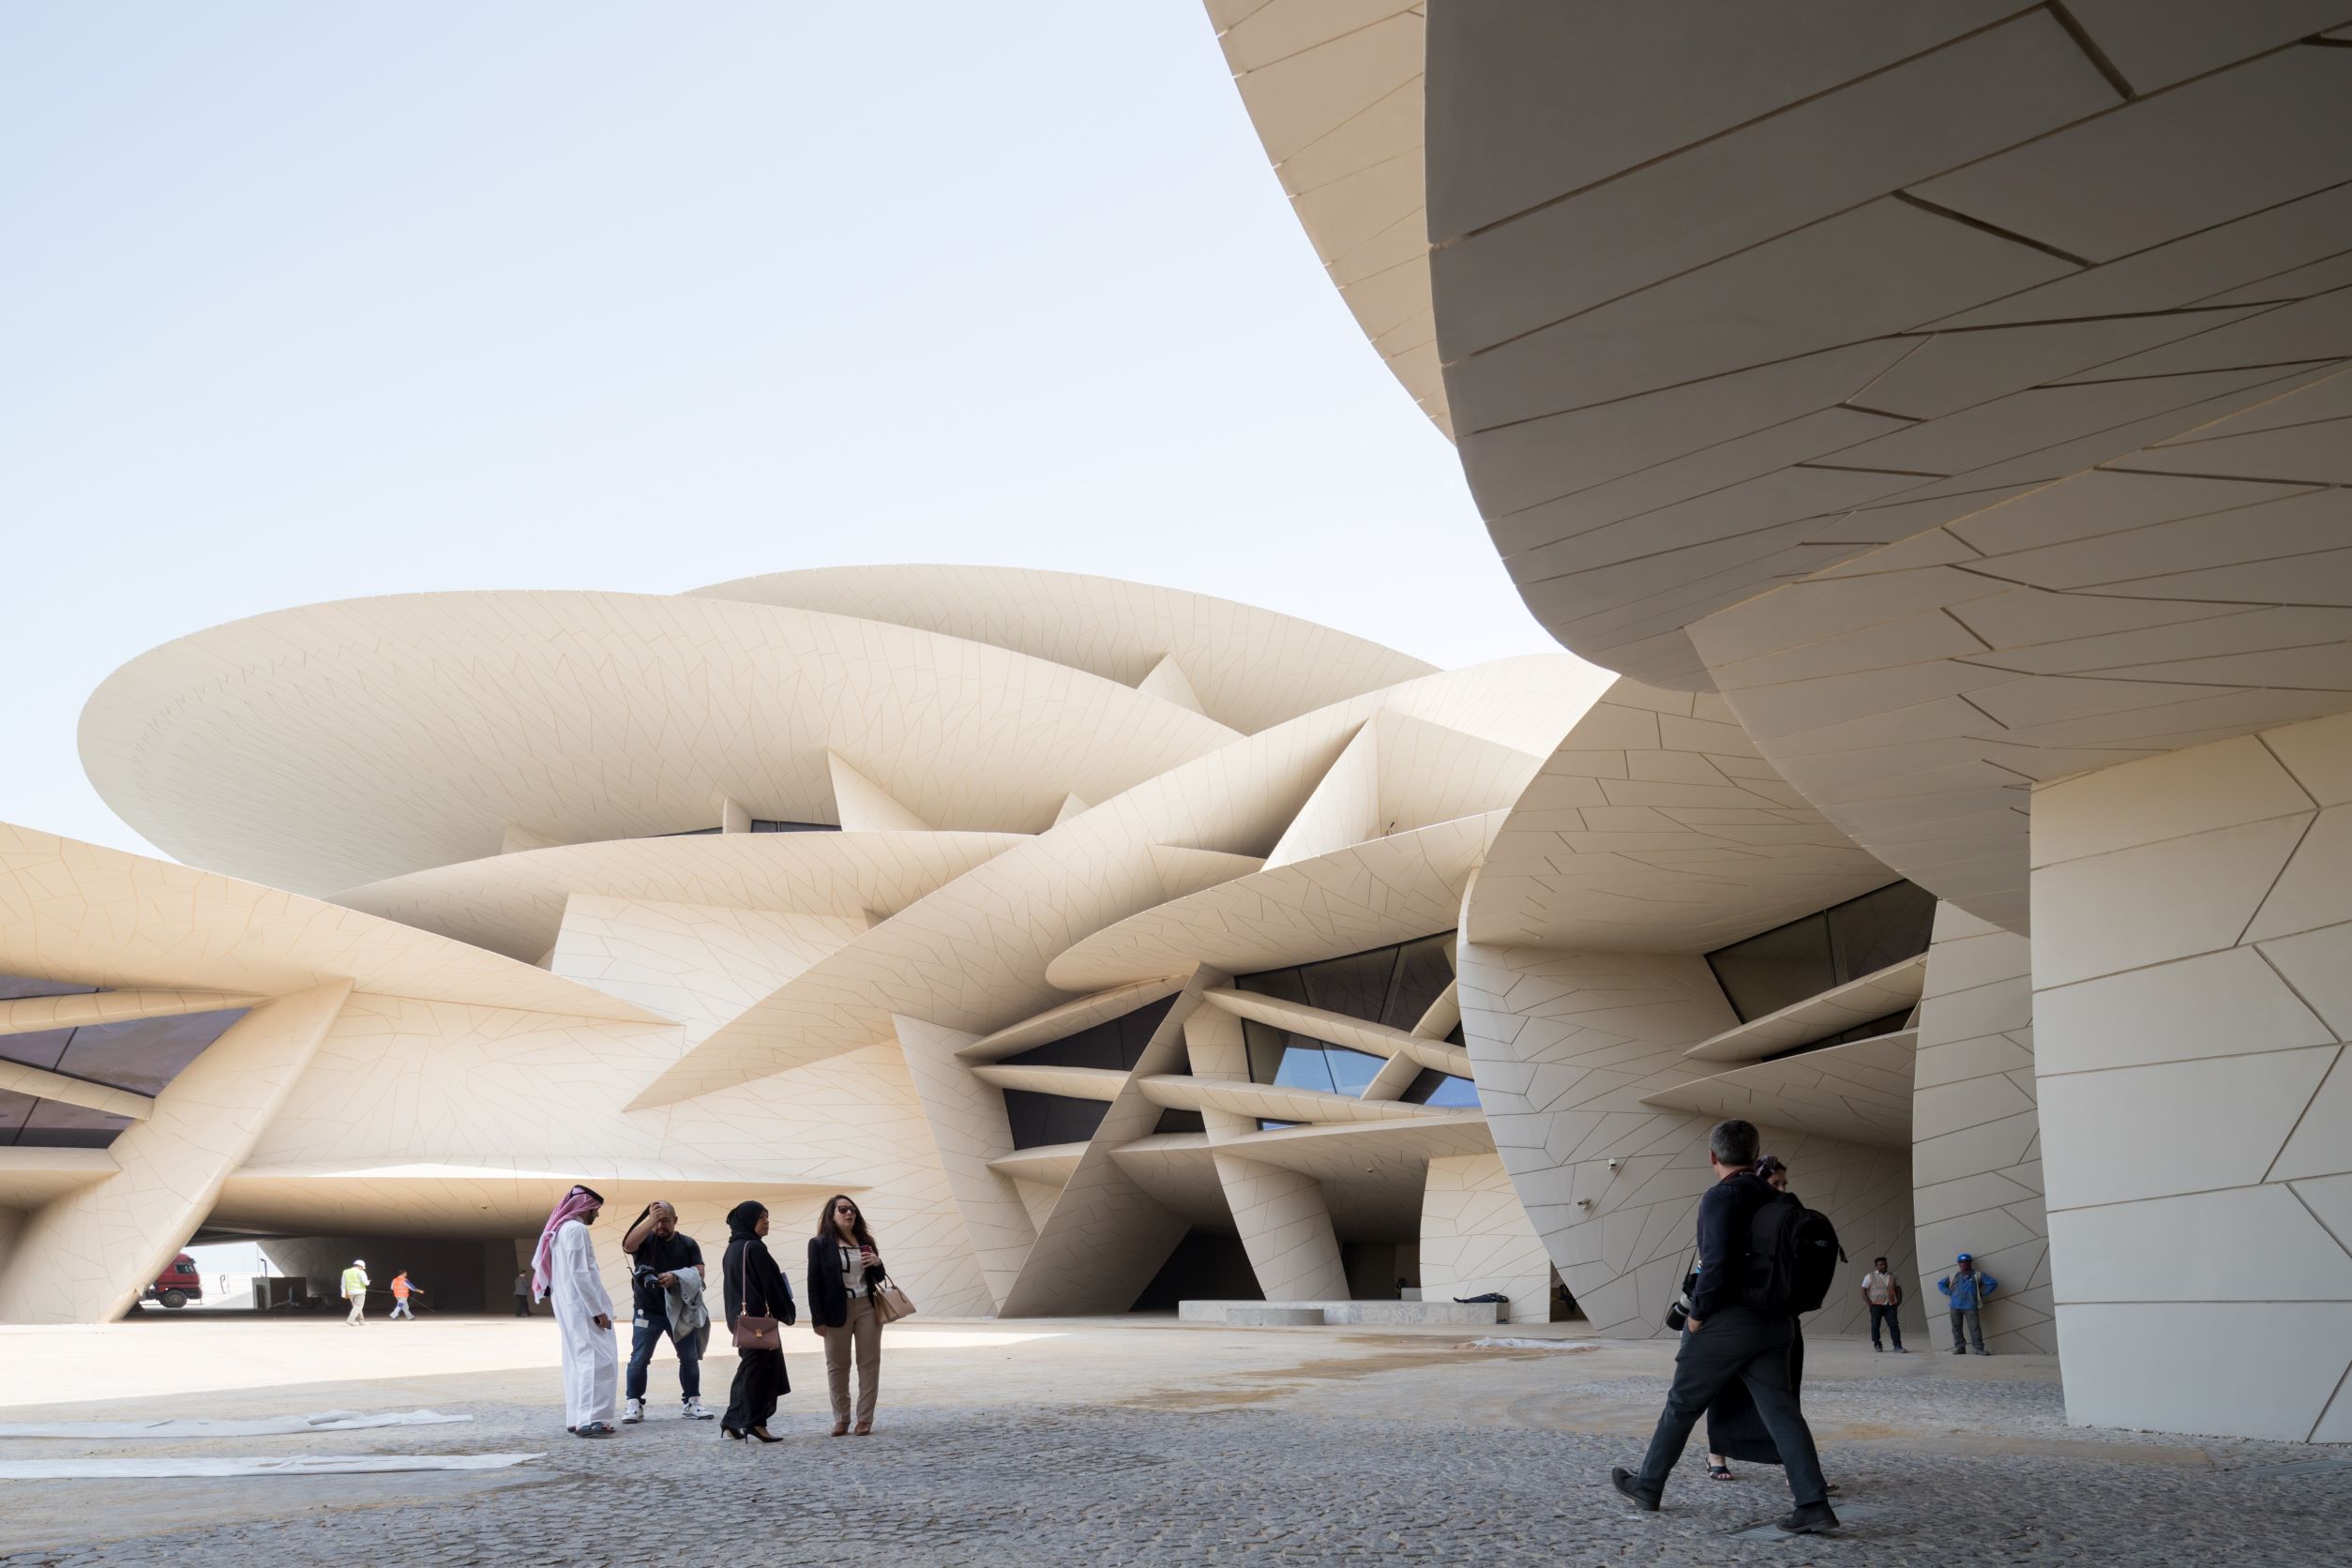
<point x="754" y="1286"/>
<point x="1734" y="1427"/>
<point x="660" y="1253"/>
<point x="356" y="1292"/>
<point x="522" y="1292"/>
<point x="844" y="1269"/>
<point x="1729" y="1340"/>
<point x="1883" y="1294"/>
<point x="403" y="1287"/>
<point x="1969" y="1288"/>
<point x="563" y="1270"/>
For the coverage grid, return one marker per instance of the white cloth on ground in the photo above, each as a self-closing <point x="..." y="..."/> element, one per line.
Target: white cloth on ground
<point x="294" y="1464"/>
<point x="200" y="1426"/>
<point x="592" y="1356"/>
<point x="689" y="1314"/>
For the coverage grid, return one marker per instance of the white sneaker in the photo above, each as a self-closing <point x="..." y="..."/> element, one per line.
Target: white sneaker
<point x="635" y="1413"/>
<point x="694" y="1412"/>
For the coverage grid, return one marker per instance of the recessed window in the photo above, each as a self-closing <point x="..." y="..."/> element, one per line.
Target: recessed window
<point x="1781" y="967"/>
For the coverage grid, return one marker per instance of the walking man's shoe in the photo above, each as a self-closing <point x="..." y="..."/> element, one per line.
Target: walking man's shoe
<point x="1626" y="1483"/>
<point x="635" y="1413"/>
<point x="1813" y="1518"/>
<point x="694" y="1410"/>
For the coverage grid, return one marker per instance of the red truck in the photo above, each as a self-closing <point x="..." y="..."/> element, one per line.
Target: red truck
<point x="178" y="1285"/>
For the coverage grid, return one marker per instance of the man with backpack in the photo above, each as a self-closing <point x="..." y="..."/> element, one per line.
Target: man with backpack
<point x="1760" y="1255"/>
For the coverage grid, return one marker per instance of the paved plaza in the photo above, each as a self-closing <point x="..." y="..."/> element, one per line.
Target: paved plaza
<point x="1139" y="1441"/>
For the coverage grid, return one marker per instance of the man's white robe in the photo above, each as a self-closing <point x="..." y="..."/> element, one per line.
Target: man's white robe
<point x="592" y="1356"/>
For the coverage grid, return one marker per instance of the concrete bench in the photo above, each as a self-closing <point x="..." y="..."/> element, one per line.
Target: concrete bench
<point x="1273" y="1316"/>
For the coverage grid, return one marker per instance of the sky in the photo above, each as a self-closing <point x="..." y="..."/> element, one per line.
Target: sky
<point x="312" y="302"/>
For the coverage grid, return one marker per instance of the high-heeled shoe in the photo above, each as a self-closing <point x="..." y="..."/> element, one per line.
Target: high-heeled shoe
<point x="732" y="1432"/>
<point x="765" y="1435"/>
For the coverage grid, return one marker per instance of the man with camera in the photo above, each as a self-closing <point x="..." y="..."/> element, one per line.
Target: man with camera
<point x="1726" y="1337"/>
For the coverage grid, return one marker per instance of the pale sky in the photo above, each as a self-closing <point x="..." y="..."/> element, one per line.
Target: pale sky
<point x="307" y="302"/>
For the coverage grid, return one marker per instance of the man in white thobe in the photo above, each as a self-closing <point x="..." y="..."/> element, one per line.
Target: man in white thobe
<point x="567" y="1276"/>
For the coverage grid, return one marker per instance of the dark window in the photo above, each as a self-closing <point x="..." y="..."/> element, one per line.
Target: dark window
<point x="1884" y="1024"/>
<point x="1443" y="1090"/>
<point x="1267" y="1126"/>
<point x="16" y="987"/>
<point x="1174" y="1121"/>
<point x="1041" y="1118"/>
<point x="766" y="824"/>
<point x="1393" y="986"/>
<point x="142" y="1055"/>
<point x="1781" y="967"/>
<point x="690" y="833"/>
<point x="30" y="1123"/>
<point x="1117" y="1044"/>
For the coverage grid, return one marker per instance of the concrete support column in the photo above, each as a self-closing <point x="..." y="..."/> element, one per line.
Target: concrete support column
<point x="2193" y="994"/>
<point x="1286" y="1228"/>
<point x="1976" y="1154"/>
<point x="83" y="1258"/>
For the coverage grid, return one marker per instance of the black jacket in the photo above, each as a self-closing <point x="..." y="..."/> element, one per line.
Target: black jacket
<point x="770" y="1292"/>
<point x="1724" y="1212"/>
<point x="828" y="1302"/>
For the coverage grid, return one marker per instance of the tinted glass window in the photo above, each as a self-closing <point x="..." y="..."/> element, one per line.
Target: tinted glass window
<point x="28" y="1122"/>
<point x="1174" y="1121"/>
<point x="1443" y="1090"/>
<point x="1116" y="1044"/>
<point x="1775" y="969"/>
<point x="1422" y="973"/>
<point x="768" y="824"/>
<point x="13" y="986"/>
<point x="1041" y="1118"/>
<point x="1868" y="933"/>
<point x="1778" y="968"/>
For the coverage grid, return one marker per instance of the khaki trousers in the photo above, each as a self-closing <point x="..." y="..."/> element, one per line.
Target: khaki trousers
<point x="863" y="1332"/>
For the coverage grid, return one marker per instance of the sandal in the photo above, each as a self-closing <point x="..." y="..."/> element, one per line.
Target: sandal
<point x="1719" y="1472"/>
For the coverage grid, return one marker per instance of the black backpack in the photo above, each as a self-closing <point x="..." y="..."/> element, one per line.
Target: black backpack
<point x="1793" y="1258"/>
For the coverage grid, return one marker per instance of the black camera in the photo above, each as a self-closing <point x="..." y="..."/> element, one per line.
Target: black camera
<point x="1680" y="1313"/>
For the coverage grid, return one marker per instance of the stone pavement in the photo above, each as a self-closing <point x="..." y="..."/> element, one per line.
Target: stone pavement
<point x="1141" y="1442"/>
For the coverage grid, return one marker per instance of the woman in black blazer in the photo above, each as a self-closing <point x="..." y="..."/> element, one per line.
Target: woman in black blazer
<point x="844" y="1269"/>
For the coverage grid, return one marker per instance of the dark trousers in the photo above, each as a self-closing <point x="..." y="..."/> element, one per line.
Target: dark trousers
<point x="1975" y="1328"/>
<point x="1737" y="1344"/>
<point x="760" y="1381"/>
<point x="651" y="1325"/>
<point x="522" y="1306"/>
<point x="1894" y="1324"/>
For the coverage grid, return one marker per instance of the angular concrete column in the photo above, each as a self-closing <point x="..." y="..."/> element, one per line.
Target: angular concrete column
<point x="1286" y="1228"/>
<point x="83" y="1258"/>
<point x="1976" y="1154"/>
<point x="2193" y="995"/>
<point x="970" y="1127"/>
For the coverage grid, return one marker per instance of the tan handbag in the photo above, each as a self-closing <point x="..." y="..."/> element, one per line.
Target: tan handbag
<point x="751" y="1331"/>
<point x="892" y="1304"/>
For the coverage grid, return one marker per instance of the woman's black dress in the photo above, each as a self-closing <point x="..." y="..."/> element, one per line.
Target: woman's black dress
<point x="754" y="1283"/>
<point x="1735" y="1429"/>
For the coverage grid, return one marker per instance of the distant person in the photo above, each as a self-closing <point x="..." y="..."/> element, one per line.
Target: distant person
<point x="1729" y="1340"/>
<point x="563" y="1270"/>
<point x="522" y="1292"/>
<point x="402" y="1288"/>
<point x="1883" y="1294"/>
<point x="355" y="1291"/>
<point x="662" y="1261"/>
<point x="1969" y="1288"/>
<point x="753" y="1286"/>
<point x="844" y="1269"/>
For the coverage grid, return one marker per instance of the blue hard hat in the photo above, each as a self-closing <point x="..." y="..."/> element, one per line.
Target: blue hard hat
<point x="1967" y="1258"/>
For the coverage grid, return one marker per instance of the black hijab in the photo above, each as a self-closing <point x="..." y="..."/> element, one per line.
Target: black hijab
<point x="753" y="1280"/>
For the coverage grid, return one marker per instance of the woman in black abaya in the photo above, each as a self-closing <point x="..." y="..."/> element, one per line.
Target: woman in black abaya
<point x="757" y="1286"/>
